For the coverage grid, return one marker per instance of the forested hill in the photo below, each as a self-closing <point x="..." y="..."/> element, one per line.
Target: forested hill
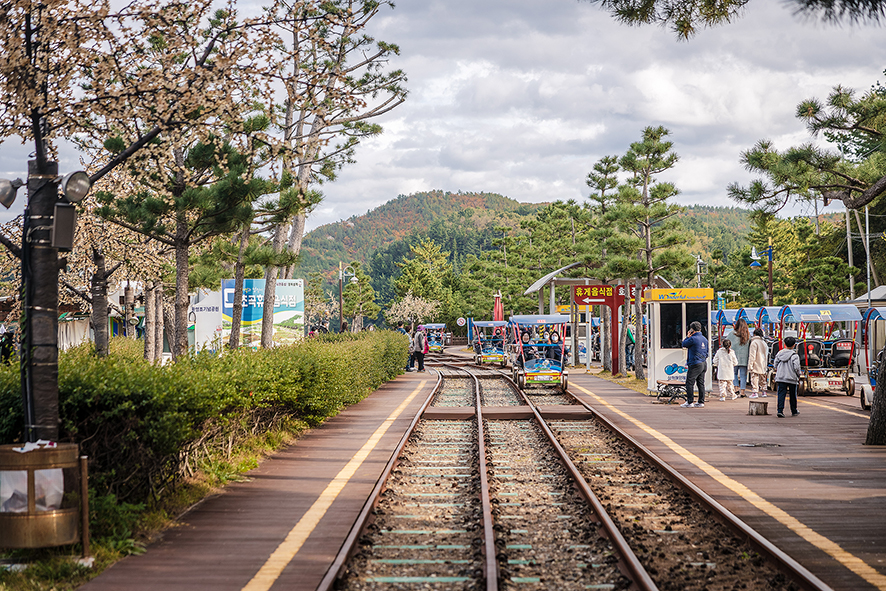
<point x="358" y="237"/>
<point x="723" y="229"/>
<point x="461" y="223"/>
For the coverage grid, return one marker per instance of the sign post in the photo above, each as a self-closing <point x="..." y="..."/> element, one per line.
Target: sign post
<point x="601" y="295"/>
<point x="605" y="295"/>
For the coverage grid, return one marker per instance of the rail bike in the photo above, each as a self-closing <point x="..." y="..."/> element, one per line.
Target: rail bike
<point x="540" y="350"/>
<point x="436" y="336"/>
<point x="872" y="341"/>
<point x="490" y="342"/>
<point x="825" y="343"/>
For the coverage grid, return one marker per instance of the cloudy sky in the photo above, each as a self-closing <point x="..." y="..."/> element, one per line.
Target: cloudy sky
<point x="521" y="97"/>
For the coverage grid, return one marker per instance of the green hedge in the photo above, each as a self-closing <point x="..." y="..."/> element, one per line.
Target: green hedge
<point x="136" y="421"/>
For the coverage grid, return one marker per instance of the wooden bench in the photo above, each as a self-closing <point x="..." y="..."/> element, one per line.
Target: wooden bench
<point x="670" y="391"/>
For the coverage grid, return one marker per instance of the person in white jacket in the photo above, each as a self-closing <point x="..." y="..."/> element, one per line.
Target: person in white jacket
<point x="758" y="364"/>
<point x="726" y="361"/>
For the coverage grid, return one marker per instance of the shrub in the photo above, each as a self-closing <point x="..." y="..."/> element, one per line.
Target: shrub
<point x="140" y="423"/>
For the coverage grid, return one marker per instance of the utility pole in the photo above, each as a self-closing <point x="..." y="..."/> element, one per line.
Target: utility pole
<point x="849" y="251"/>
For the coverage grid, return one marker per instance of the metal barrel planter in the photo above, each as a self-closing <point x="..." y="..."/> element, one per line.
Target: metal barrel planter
<point x="43" y="497"/>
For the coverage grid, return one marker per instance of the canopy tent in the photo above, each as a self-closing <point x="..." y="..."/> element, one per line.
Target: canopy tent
<point x="490" y="323"/>
<point x="819" y="313"/>
<point x="533" y="319"/>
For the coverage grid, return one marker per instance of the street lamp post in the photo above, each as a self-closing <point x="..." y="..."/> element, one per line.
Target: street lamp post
<point x="346" y="271"/>
<point x="48" y="226"/>
<point x="756" y="264"/>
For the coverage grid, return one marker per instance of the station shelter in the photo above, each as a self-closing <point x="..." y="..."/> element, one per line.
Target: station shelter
<point x="669" y="313"/>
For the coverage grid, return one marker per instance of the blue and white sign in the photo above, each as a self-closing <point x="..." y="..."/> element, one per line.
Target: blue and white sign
<point x="289" y="310"/>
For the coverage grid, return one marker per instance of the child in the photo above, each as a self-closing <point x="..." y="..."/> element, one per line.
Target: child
<point x="726" y="361"/>
<point x="787" y="376"/>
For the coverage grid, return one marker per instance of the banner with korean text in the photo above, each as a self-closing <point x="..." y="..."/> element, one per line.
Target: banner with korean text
<point x="289" y="309"/>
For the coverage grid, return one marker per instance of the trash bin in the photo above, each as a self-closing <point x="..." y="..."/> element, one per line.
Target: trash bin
<point x="41" y="496"/>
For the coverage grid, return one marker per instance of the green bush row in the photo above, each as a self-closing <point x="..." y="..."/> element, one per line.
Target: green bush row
<point x="135" y="420"/>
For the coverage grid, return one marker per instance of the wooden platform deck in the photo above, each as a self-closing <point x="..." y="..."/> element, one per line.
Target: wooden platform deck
<point x="807" y="482"/>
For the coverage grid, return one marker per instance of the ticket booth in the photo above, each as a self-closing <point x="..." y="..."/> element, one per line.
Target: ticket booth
<point x="669" y="313"/>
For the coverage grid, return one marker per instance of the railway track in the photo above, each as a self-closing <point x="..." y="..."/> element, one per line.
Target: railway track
<point x="491" y="488"/>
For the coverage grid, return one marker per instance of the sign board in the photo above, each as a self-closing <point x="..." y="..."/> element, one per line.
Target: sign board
<point x="461" y="322"/>
<point x="696" y="294"/>
<point x="601" y="295"/>
<point x="206" y="315"/>
<point x="289" y="309"/>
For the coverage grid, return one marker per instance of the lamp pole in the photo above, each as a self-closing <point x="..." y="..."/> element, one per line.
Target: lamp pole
<point x="342" y="272"/>
<point x="769" y="253"/>
<point x="340" y="305"/>
<point x="39" y="336"/>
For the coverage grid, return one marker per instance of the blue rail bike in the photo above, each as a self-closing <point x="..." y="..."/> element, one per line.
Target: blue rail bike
<point x="436" y="336"/>
<point x="490" y="342"/>
<point x="540" y="350"/>
<point x="825" y="343"/>
<point x="872" y="339"/>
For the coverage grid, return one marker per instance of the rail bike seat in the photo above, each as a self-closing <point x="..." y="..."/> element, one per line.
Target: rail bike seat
<point x="810" y="353"/>
<point x="842" y="352"/>
<point x="774" y="348"/>
<point x="671" y="390"/>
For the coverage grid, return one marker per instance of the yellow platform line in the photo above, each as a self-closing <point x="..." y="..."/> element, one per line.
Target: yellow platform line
<point x="850" y="561"/>
<point x="853" y="413"/>
<point x="286" y="551"/>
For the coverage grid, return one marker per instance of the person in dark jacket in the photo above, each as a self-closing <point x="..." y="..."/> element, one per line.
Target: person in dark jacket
<point x="696" y="365"/>
<point x="787" y="376"/>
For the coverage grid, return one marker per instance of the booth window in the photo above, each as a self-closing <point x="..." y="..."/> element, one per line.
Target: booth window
<point x="671" y="324"/>
<point x="698" y="313"/>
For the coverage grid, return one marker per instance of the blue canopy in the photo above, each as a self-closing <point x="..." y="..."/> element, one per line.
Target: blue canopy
<point x="749" y="315"/>
<point x="819" y="313"/>
<point x="871" y="314"/>
<point x="768" y="314"/>
<point x="435" y="326"/>
<point x="529" y="319"/>
<point x="489" y="323"/>
<point x="725" y="317"/>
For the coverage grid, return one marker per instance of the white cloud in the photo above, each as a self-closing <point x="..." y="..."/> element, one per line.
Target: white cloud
<point x="521" y="97"/>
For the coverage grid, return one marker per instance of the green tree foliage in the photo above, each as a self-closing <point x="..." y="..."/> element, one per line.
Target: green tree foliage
<point x="319" y="305"/>
<point x="646" y="220"/>
<point x="359" y="298"/>
<point x="804" y="268"/>
<point x="809" y="171"/>
<point x="686" y="17"/>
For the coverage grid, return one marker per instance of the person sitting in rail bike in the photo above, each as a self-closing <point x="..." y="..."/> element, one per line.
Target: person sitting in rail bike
<point x="529" y="352"/>
<point x="554" y="350"/>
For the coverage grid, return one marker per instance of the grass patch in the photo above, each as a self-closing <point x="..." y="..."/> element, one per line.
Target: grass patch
<point x="627" y="381"/>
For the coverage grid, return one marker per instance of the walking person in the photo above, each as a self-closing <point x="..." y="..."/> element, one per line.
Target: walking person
<point x="726" y="361"/>
<point x="420" y="347"/>
<point x="741" y="342"/>
<point x="696" y="364"/>
<point x="758" y="360"/>
<point x="411" y="365"/>
<point x="787" y="376"/>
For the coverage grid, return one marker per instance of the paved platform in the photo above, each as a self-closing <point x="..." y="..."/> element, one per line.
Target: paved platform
<point x="223" y="542"/>
<point x="807" y="483"/>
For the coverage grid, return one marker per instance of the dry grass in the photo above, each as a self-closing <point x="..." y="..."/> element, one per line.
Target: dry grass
<point x="628" y="381"/>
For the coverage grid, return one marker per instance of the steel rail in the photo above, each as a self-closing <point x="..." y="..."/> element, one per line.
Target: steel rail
<point x="790" y="566"/>
<point x="486" y="503"/>
<point x="349" y="546"/>
<point x="635" y="570"/>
